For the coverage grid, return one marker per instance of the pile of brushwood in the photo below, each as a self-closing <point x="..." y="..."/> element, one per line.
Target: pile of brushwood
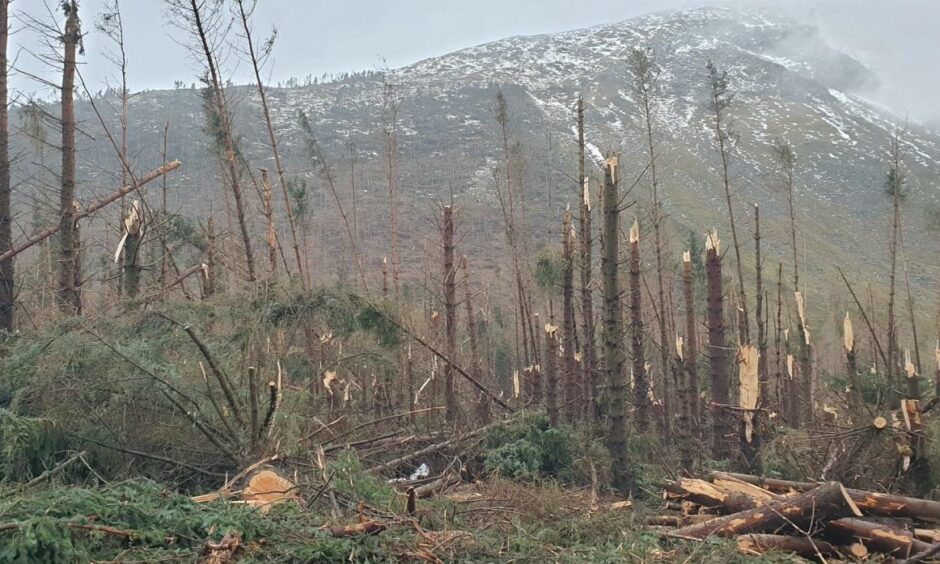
<point x="819" y="521"/>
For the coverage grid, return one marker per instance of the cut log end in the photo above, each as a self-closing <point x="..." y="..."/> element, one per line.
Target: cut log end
<point x="879" y="422"/>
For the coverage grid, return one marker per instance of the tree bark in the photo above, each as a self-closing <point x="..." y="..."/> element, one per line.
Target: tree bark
<point x="819" y="505"/>
<point x="7" y="280"/>
<point x="573" y="385"/>
<point x="872" y="503"/>
<point x="551" y="371"/>
<point x="641" y="384"/>
<point x="272" y="139"/>
<point x="876" y="536"/>
<point x="623" y="479"/>
<point x="69" y="297"/>
<point x="230" y="151"/>
<point x="719" y="365"/>
<point x="803" y="546"/>
<point x="591" y="378"/>
<point x="450" y="313"/>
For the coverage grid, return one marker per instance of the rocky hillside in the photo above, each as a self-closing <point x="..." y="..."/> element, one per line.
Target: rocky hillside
<point x="787" y="83"/>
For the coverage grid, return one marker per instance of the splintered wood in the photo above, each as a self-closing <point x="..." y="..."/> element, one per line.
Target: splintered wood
<point x="748" y="357"/>
<point x="818" y="521"/>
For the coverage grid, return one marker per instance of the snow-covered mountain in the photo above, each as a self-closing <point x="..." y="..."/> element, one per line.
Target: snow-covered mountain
<point x="787" y="82"/>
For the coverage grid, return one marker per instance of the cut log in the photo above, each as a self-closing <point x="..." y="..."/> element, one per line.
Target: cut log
<point x="732" y="484"/>
<point x="931" y="536"/>
<point x="879" y="422"/>
<point x="770" y="484"/>
<point x="827" y="502"/>
<point x="368" y="527"/>
<point x="758" y="544"/>
<point x="678" y="520"/>
<point x="714" y="496"/>
<point x="873" y="503"/>
<point x="876" y="536"/>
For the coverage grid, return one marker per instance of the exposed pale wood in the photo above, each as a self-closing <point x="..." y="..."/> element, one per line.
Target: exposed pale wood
<point x="826" y="502"/>
<point x="677" y="520"/>
<point x="871" y="503"/>
<point x="115" y="196"/>
<point x="706" y="494"/>
<point x="927" y="535"/>
<point x="758" y="544"/>
<point x="876" y="536"/>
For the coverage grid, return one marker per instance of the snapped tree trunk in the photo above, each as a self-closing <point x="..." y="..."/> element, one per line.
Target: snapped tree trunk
<point x="551" y="371"/>
<point x="69" y="297"/>
<point x="573" y="387"/>
<point x="483" y="401"/>
<point x="641" y="384"/>
<point x="133" y="234"/>
<point x="591" y="378"/>
<point x="7" y="280"/>
<point x="450" y="313"/>
<point x="685" y="373"/>
<point x="623" y="479"/>
<point x="719" y="366"/>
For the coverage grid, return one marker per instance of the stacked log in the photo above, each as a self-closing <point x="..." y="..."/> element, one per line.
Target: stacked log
<point x="818" y="521"/>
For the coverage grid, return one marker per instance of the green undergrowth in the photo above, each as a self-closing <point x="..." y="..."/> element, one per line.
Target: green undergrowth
<point x="140" y="521"/>
<point x="59" y="525"/>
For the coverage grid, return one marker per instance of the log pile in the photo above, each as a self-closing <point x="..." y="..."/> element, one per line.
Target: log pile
<point x="819" y="521"/>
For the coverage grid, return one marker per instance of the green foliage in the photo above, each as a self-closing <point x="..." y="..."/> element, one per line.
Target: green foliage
<point x="183" y="230"/>
<point x="379" y="324"/>
<point x="895" y="179"/>
<point x="359" y="484"/>
<point x="162" y="527"/>
<point x="531" y="449"/>
<point x="27" y="446"/>
<point x="343" y="310"/>
<point x="549" y="270"/>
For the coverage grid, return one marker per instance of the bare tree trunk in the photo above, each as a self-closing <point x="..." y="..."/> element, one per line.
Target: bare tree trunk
<point x="690" y="402"/>
<point x="623" y="479"/>
<point x="528" y="334"/>
<point x="573" y="388"/>
<point x="7" y="280"/>
<point x="133" y="232"/>
<point x="913" y="379"/>
<point x="226" y="130"/>
<point x="807" y="381"/>
<point x="164" y="247"/>
<point x="70" y="300"/>
<point x="641" y="384"/>
<point x="717" y="349"/>
<point x="720" y="100"/>
<point x="272" y="139"/>
<point x="759" y="314"/>
<point x="391" y="161"/>
<point x="783" y="400"/>
<point x="483" y="400"/>
<point x="450" y="313"/>
<point x="267" y="208"/>
<point x="551" y="370"/>
<point x="895" y="185"/>
<point x="209" y="285"/>
<point x="591" y="378"/>
<point x="645" y="74"/>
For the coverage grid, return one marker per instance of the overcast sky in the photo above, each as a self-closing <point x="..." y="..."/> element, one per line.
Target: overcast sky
<point x="899" y="39"/>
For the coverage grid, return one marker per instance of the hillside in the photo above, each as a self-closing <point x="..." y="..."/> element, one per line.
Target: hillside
<point x="787" y="82"/>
